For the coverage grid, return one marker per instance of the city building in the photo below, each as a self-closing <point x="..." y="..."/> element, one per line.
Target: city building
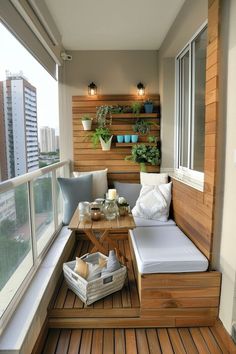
<point x="19" y="118"/>
<point x="3" y="155"/>
<point x="47" y="139"/>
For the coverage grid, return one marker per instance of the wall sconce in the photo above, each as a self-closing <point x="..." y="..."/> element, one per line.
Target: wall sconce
<point x="141" y="89"/>
<point x="92" y="89"/>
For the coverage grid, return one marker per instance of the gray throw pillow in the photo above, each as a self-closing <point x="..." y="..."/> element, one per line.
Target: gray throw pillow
<point x="75" y="190"/>
<point x="128" y="190"/>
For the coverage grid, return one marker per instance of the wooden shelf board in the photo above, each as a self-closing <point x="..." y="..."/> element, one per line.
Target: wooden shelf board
<point x="132" y="115"/>
<point x="132" y="144"/>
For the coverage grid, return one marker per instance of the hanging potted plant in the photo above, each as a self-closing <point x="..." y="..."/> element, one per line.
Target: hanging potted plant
<point x="148" y="106"/>
<point x="103" y="135"/>
<point x="101" y="115"/>
<point x="87" y="122"/>
<point x="144" y="154"/>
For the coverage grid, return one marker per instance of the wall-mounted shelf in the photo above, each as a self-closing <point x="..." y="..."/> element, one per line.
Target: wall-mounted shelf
<point x="132" y="144"/>
<point x="132" y="115"/>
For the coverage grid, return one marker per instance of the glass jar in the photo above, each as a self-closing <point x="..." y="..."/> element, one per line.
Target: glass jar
<point x="110" y="209"/>
<point x="84" y="211"/>
<point x="95" y="211"/>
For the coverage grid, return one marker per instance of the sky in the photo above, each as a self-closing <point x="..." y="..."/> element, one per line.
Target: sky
<point x="15" y="58"/>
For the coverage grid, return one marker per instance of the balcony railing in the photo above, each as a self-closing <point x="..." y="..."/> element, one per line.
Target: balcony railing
<point x="30" y="217"/>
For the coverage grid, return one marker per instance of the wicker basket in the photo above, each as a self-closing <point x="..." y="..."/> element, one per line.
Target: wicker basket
<point x="91" y="291"/>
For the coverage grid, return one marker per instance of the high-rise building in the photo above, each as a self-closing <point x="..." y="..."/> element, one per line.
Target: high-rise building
<point x="21" y="131"/>
<point x="3" y="153"/>
<point x="47" y="140"/>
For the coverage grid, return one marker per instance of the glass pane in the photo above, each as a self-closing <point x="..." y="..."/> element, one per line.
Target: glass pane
<point x="184" y="109"/>
<point x="59" y="173"/>
<point x="16" y="257"/>
<point x="44" y="222"/>
<point x="199" y="101"/>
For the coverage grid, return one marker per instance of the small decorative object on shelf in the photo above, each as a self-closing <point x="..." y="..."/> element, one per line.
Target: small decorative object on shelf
<point x="148" y="106"/>
<point x="127" y="138"/>
<point x="95" y="211"/>
<point x="123" y="206"/>
<point x="110" y="209"/>
<point x="84" y="211"/>
<point x="144" y="154"/>
<point x="87" y="122"/>
<point x="120" y="138"/>
<point x="134" y="138"/>
<point x="111" y="194"/>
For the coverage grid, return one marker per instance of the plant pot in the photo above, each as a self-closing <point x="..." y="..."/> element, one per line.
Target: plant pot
<point x="106" y="146"/>
<point x="143" y="167"/>
<point x="87" y="124"/>
<point x="134" y="138"/>
<point x="148" y="107"/>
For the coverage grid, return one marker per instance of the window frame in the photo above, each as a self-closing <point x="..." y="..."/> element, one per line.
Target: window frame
<point x="188" y="174"/>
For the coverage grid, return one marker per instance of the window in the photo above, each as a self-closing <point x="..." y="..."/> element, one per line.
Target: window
<point x="190" y="106"/>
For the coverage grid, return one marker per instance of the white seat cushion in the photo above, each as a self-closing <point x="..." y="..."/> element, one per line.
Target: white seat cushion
<point x="142" y="222"/>
<point x="166" y="250"/>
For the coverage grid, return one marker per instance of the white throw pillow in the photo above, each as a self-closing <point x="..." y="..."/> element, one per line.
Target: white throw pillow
<point x="153" y="179"/>
<point x="154" y="202"/>
<point x="100" y="185"/>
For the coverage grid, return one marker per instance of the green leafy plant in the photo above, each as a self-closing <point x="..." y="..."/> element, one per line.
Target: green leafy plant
<point x="136" y="107"/>
<point x="101" y="115"/>
<point x="87" y="117"/>
<point x="144" y="154"/>
<point x="116" y="109"/>
<point x="142" y="126"/>
<point x="152" y="139"/>
<point x="148" y="101"/>
<point x="102" y="132"/>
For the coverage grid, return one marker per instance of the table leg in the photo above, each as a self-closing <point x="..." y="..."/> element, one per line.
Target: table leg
<point x="98" y="245"/>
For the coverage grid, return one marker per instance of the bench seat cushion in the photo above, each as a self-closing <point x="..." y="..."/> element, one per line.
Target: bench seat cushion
<point x="166" y="250"/>
<point x="142" y="222"/>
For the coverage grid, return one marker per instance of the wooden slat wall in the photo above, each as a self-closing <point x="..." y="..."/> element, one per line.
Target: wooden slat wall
<point x="86" y="158"/>
<point x="194" y="210"/>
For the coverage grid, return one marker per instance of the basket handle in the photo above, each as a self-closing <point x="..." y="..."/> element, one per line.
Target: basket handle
<point x="84" y="256"/>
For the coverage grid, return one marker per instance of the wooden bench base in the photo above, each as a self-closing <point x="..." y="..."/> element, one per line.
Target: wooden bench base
<point x="185" y="299"/>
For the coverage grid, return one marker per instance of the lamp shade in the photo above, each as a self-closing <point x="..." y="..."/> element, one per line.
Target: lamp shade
<point x="92" y="89"/>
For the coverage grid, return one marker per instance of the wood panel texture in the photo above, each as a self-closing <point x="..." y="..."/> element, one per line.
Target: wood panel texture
<point x="87" y="158"/>
<point x="193" y="210"/>
<point x="211" y="340"/>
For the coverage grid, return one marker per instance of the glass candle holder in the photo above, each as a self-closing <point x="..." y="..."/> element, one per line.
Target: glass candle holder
<point x="110" y="209"/>
<point x="84" y="211"/>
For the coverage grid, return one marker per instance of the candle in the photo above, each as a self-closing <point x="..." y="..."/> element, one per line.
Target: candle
<point x="112" y="194"/>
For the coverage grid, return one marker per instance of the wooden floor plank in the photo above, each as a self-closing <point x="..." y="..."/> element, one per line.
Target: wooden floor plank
<point x="108" y="341"/>
<point x="51" y="341"/>
<point x="222" y="344"/>
<point x="130" y="341"/>
<point x="63" y="342"/>
<point x="165" y="343"/>
<point x="176" y="341"/>
<point x="97" y="344"/>
<point x="210" y="340"/>
<point x="187" y="340"/>
<point x="75" y="340"/>
<point x="199" y="341"/>
<point x="142" y="343"/>
<point x="86" y="342"/>
<point x="153" y="342"/>
<point x="119" y="341"/>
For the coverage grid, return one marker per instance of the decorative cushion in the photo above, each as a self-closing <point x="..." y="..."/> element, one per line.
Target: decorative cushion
<point x="154" y="202"/>
<point x="100" y="185"/>
<point x="128" y="190"/>
<point x="75" y="190"/>
<point x="153" y="179"/>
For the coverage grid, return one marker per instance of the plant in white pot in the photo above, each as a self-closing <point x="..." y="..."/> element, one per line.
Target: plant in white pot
<point x="87" y="122"/>
<point x="103" y="135"/>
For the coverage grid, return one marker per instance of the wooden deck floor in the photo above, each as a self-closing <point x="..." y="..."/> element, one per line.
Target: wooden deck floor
<point x="143" y="341"/>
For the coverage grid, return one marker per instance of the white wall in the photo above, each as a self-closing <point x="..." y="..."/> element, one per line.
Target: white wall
<point x="114" y="72"/>
<point x="226" y="241"/>
<point x="191" y="16"/>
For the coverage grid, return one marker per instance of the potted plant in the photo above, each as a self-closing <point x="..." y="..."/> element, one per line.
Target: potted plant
<point x="136" y="108"/>
<point x="87" y="122"/>
<point x="148" y="106"/>
<point x="101" y="115"/>
<point x="142" y="126"/>
<point x="144" y="154"/>
<point x="103" y="135"/>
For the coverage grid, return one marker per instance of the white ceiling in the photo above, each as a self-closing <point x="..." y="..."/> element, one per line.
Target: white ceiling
<point x="113" y="24"/>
